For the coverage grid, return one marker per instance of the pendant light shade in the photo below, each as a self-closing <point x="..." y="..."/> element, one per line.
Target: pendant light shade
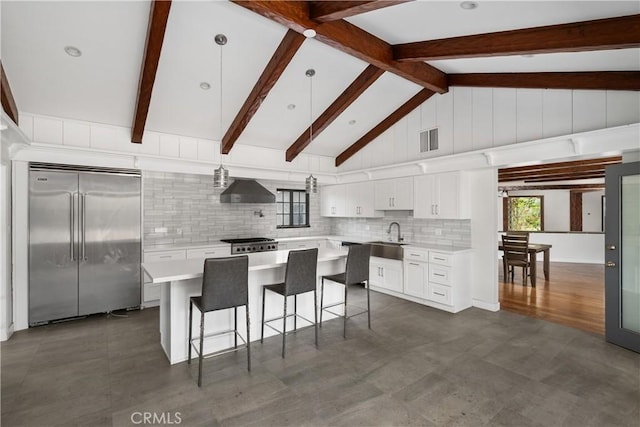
<point x="220" y="177"/>
<point x="311" y="183"/>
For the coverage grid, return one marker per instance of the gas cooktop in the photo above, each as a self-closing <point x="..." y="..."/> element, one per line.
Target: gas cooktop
<point x="252" y="244"/>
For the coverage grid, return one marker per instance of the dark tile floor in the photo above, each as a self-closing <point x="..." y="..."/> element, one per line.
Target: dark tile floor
<point x="417" y="366"/>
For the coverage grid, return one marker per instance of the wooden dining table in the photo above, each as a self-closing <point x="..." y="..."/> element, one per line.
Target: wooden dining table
<point x="533" y="250"/>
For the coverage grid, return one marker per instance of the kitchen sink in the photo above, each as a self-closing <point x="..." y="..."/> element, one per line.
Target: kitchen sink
<point x="389" y="250"/>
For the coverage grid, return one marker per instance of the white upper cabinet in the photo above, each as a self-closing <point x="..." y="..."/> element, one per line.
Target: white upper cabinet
<point x="332" y="200"/>
<point x="349" y="200"/>
<point x="394" y="194"/>
<point x="359" y="200"/>
<point x="444" y="196"/>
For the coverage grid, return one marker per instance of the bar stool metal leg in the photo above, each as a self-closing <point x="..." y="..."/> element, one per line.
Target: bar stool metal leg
<point x="190" y="329"/>
<point x="368" y="307"/>
<point x="321" y="300"/>
<point x="262" y="325"/>
<point x="201" y="349"/>
<point x="315" y="314"/>
<point x="246" y="307"/>
<point x="235" y="327"/>
<point x="295" y="311"/>
<point x="284" y="325"/>
<point x="344" y="331"/>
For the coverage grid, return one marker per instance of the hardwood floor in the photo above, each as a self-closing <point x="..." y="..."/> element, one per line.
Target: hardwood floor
<point x="573" y="297"/>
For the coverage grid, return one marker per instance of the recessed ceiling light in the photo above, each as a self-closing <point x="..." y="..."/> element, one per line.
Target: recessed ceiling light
<point x="291" y="107"/>
<point x="352" y="122"/>
<point x="309" y="33"/>
<point x="73" y="51"/>
<point x="468" y="5"/>
<point x="205" y="86"/>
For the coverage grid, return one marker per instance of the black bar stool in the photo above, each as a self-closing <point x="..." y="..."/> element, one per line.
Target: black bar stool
<point x="225" y="284"/>
<point x="300" y="277"/>
<point x="356" y="271"/>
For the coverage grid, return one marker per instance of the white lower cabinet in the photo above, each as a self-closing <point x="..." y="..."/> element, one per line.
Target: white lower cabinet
<point x="416" y="275"/>
<point x="385" y="273"/>
<point x="151" y="291"/>
<point x="438" y="279"/>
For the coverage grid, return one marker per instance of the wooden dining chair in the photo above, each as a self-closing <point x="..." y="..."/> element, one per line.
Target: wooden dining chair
<point x="516" y="254"/>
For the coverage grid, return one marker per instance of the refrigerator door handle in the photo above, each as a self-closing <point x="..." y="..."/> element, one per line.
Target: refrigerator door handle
<point x="72" y="220"/>
<point x="83" y="211"/>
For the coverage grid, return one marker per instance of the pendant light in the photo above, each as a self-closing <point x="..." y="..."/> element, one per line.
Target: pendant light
<point x="220" y="175"/>
<point x="311" y="183"/>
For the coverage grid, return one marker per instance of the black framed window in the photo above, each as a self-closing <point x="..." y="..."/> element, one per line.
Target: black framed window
<point x="292" y="208"/>
<point x="523" y="213"/>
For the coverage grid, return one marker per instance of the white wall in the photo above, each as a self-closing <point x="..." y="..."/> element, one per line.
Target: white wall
<point x="6" y="294"/>
<point x="592" y="211"/>
<point x="484" y="287"/>
<point x="476" y="118"/>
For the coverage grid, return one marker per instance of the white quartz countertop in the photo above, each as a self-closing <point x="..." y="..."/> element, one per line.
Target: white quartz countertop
<point x="167" y="271"/>
<point x="408" y="245"/>
<point x="182" y="246"/>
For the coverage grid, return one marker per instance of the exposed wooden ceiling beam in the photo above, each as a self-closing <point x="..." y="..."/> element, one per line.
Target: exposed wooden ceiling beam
<point x="8" y="103"/>
<point x="355" y="89"/>
<point x="349" y="39"/>
<point x="613" y="160"/>
<point x="325" y="11"/>
<point x="552" y="187"/>
<point x="600" y="80"/>
<point x="516" y="176"/>
<point x="566" y="177"/>
<point x="600" y="34"/>
<point x="288" y="47"/>
<point x="405" y="109"/>
<point x="158" y="17"/>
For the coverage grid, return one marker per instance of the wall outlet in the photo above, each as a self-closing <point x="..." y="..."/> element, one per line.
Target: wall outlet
<point x="438" y="232"/>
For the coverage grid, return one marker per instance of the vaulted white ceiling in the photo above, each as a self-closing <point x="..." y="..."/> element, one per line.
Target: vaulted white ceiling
<point x="102" y="84"/>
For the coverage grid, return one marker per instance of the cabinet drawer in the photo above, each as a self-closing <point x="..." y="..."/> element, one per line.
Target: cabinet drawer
<point x="164" y="256"/>
<point x="151" y="291"/>
<point x="209" y="252"/>
<point x="439" y="258"/>
<point x="439" y="275"/>
<point x="413" y="255"/>
<point x="439" y="293"/>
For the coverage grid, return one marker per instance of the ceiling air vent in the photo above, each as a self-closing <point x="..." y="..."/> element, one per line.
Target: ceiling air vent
<point x="429" y="140"/>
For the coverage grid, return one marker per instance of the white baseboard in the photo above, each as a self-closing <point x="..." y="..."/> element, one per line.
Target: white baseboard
<point x="486" y="305"/>
<point x="5" y="334"/>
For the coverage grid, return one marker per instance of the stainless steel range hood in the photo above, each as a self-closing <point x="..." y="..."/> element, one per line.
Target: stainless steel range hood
<point x="246" y="191"/>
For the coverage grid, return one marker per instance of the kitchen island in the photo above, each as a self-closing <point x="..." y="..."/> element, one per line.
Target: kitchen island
<point x="180" y="280"/>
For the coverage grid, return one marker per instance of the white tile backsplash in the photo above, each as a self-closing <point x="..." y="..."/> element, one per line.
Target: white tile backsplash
<point x="185" y="208"/>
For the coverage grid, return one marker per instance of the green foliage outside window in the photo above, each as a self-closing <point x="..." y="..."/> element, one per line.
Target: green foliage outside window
<point x="525" y="213"/>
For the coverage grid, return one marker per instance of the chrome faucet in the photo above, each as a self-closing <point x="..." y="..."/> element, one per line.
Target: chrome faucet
<point x="400" y="239"/>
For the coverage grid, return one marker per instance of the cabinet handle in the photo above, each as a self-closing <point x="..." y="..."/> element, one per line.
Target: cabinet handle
<point x="439" y="259"/>
<point x="393" y="201"/>
<point x="437" y="209"/>
<point x="439" y="275"/>
<point x="413" y="263"/>
<point x="432" y="210"/>
<point x="389" y="201"/>
<point x="414" y="254"/>
<point x="165" y="256"/>
<point x="440" y="294"/>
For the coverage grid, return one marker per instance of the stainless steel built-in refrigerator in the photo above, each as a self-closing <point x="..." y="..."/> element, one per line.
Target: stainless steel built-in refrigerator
<point x="84" y="241"/>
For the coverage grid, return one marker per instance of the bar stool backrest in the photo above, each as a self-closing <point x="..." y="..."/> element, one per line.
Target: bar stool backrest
<point x="357" y="270"/>
<point x="225" y="282"/>
<point x="301" y="273"/>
